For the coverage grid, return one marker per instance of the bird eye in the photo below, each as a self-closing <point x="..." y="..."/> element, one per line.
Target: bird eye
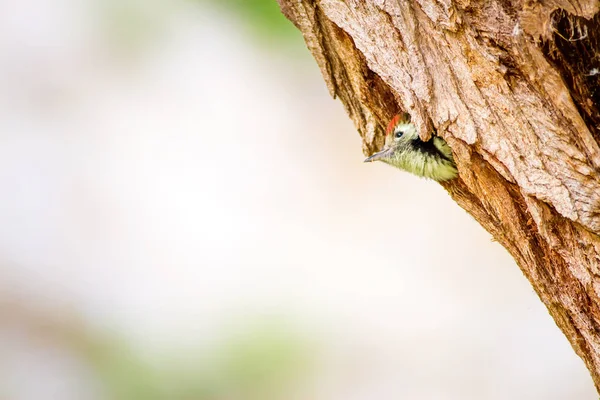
<point x="398" y="134"/>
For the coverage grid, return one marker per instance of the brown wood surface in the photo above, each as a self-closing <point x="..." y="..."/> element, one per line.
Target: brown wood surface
<point x="514" y="88"/>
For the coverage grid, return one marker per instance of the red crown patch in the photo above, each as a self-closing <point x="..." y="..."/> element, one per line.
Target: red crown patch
<point x="393" y="124"/>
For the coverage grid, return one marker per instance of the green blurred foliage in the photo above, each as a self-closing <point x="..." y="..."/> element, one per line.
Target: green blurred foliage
<point x="263" y="360"/>
<point x="131" y="26"/>
<point x="127" y="24"/>
<point x="264" y="18"/>
<point x="124" y="375"/>
<point x="258" y="361"/>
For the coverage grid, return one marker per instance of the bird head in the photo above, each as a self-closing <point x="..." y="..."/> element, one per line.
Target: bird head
<point x="404" y="149"/>
<point x="399" y="133"/>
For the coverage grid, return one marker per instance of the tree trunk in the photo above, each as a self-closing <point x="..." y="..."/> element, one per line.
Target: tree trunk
<point x="514" y="88"/>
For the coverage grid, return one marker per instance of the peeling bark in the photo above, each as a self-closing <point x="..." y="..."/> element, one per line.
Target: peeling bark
<point x="514" y="88"/>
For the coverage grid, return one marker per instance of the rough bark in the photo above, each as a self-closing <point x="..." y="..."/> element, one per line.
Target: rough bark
<point x="513" y="86"/>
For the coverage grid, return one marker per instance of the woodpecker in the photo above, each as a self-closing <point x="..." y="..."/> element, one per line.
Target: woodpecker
<point x="405" y="150"/>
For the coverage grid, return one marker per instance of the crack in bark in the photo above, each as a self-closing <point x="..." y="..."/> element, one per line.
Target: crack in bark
<point x="574" y="50"/>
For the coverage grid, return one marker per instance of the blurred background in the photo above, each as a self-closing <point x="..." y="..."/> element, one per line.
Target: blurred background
<point x="186" y="215"/>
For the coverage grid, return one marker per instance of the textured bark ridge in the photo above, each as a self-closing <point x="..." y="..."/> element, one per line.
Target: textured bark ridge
<point x="514" y="88"/>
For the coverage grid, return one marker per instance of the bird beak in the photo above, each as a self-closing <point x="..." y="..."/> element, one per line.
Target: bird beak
<point x="378" y="156"/>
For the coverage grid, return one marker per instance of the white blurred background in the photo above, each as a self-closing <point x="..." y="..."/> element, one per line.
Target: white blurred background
<point x="186" y="215"/>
